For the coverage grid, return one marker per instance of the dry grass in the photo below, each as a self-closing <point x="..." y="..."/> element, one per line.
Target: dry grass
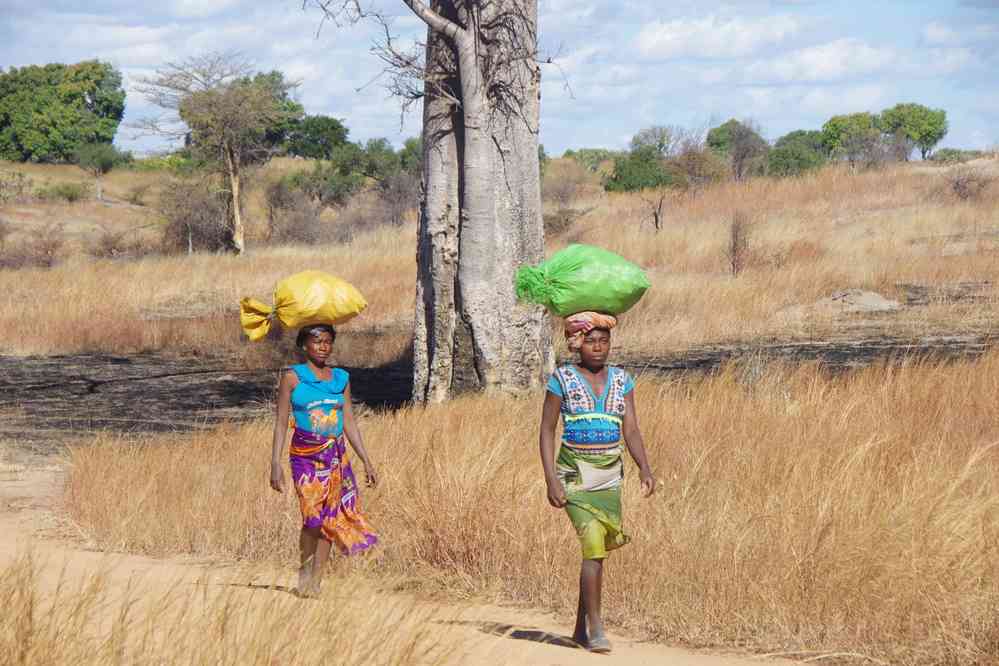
<point x="810" y="237"/>
<point x="798" y="512"/>
<point x="88" y="620"/>
<point x="187" y="302"/>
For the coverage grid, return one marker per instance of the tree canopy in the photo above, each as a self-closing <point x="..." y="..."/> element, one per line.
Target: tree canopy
<point x="48" y="111"/>
<point x="923" y="126"/>
<point x="316" y="137"/>
<point x="797" y="152"/>
<point x="640" y="169"/>
<point x="742" y="143"/>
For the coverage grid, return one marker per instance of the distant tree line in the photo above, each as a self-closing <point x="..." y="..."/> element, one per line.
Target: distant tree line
<point x="670" y="156"/>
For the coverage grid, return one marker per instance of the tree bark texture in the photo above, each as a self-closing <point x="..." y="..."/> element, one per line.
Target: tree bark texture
<point x="480" y="215"/>
<point x="235" y="221"/>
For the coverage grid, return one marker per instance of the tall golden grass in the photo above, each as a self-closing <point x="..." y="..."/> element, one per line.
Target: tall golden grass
<point x="798" y="512"/>
<point x="88" y="620"/>
<point x="810" y="236"/>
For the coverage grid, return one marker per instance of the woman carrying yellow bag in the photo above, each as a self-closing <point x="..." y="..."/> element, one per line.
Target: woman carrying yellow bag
<point x="318" y="398"/>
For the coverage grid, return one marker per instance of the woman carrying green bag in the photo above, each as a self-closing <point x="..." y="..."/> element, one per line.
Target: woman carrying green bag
<point x="597" y="404"/>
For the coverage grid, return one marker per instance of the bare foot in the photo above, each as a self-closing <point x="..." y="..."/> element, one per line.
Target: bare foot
<point x="304" y="588"/>
<point x="599" y="644"/>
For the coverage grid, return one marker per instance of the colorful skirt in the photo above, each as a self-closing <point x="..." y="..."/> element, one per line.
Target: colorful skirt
<point x="327" y="491"/>
<point x="591" y="476"/>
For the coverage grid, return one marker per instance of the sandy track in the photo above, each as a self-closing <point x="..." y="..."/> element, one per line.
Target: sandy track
<point x="478" y="633"/>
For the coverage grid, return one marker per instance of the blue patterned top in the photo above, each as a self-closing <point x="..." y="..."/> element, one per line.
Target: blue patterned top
<point x="589" y="419"/>
<point x="317" y="405"/>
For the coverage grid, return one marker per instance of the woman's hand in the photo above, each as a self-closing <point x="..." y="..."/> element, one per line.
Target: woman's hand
<point x="648" y="482"/>
<point x="369" y="473"/>
<point x="556" y="493"/>
<point x="277" y="477"/>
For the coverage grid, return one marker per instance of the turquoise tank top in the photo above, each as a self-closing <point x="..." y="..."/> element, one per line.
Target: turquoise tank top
<point x="317" y="405"/>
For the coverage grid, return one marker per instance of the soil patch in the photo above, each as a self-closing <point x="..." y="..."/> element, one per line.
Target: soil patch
<point x="46" y="400"/>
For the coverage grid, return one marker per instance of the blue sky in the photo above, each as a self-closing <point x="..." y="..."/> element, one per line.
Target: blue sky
<point x="620" y="65"/>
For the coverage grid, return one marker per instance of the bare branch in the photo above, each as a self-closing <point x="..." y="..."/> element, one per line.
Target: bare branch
<point x="437" y="22"/>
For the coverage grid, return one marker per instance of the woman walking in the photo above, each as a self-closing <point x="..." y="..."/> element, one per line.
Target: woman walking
<point x="597" y="404"/>
<point x="318" y="398"/>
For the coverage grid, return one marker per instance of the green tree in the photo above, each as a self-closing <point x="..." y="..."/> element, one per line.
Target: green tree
<point x="855" y="137"/>
<point x="797" y="152"/>
<point x="98" y="159"/>
<point x="231" y="118"/>
<point x="638" y="170"/>
<point x="663" y="139"/>
<point x="316" y="137"/>
<point x="48" y="111"/>
<point x="411" y="155"/>
<point x="742" y="143"/>
<point x="921" y="125"/>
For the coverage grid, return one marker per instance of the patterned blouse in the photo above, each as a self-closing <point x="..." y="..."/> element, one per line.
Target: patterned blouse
<point x="591" y="421"/>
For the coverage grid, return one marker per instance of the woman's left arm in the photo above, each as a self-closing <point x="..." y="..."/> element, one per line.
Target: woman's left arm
<point x="354" y="436"/>
<point x="636" y="445"/>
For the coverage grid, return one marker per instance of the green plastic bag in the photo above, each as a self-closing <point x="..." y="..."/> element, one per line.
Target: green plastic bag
<point x="580" y="278"/>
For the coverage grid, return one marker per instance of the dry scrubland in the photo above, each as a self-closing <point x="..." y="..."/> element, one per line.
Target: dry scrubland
<point x="798" y="513"/>
<point x="809" y="237"/>
<point x="88" y="621"/>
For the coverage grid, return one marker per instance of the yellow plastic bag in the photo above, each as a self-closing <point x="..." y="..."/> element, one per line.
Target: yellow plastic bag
<point x="309" y="297"/>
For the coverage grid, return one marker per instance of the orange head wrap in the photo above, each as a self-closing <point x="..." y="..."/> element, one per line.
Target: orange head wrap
<point x="579" y="324"/>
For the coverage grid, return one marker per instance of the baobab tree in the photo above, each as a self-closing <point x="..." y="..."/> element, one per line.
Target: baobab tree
<point x="479" y="78"/>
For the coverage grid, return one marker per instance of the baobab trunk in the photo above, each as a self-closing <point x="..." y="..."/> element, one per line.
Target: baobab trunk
<point x="480" y="216"/>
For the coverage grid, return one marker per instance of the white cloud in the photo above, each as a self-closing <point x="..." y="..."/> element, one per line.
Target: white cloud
<point x="714" y="37"/>
<point x="200" y="8"/>
<point x="935" y="33"/>
<point x="839" y="60"/>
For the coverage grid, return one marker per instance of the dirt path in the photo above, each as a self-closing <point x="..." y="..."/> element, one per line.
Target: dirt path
<point x="479" y="633"/>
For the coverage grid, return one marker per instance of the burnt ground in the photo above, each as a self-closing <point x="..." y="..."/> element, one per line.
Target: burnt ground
<point x="52" y="399"/>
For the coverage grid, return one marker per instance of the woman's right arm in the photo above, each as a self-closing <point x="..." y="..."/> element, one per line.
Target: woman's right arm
<point x="281" y="412"/>
<point x="549" y="421"/>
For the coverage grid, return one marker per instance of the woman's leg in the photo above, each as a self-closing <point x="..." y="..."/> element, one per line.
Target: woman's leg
<point x="308" y="542"/>
<point x="322" y="554"/>
<point x="591" y="584"/>
<point x="579" y="634"/>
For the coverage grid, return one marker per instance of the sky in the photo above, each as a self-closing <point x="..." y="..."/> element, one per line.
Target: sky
<point x="616" y="67"/>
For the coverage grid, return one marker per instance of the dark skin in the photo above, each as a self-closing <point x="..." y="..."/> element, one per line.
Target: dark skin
<point x="592" y="366"/>
<point x="315" y="548"/>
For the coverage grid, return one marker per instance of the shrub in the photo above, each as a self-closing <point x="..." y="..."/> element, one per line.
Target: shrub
<point x="797" y="152"/>
<point x="638" y="170"/>
<point x="563" y="182"/>
<point x="697" y="166"/>
<point x="137" y="194"/>
<point x="969" y="184"/>
<point x="68" y="192"/>
<point x="178" y="163"/>
<point x="15" y="187"/>
<point x="112" y="244"/>
<point x="956" y="155"/>
<point x="559" y="222"/>
<point x="591" y="158"/>
<point x="40" y="250"/>
<point x="737" y="250"/>
<point x="6" y="229"/>
<point x="195" y="216"/>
